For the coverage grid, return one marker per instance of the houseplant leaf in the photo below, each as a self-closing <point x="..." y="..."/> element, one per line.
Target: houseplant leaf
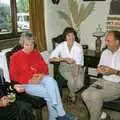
<point x="86" y="12"/>
<point x="80" y="14"/>
<point x="65" y="17"/>
<point x="73" y="7"/>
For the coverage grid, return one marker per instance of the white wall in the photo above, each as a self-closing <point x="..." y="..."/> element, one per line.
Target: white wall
<point x="54" y="25"/>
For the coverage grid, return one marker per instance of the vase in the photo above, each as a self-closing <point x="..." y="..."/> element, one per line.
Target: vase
<point x="98" y="34"/>
<point x="98" y="44"/>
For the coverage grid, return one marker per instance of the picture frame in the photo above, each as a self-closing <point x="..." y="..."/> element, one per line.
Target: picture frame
<point x="93" y="0"/>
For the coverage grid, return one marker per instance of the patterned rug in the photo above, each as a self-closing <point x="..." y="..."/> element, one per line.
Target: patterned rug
<point x="78" y="108"/>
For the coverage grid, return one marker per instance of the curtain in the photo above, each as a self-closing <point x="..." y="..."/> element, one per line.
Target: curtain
<point x="36" y="9"/>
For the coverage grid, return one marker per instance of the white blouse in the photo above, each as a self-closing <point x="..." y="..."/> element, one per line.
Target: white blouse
<point x="76" y="52"/>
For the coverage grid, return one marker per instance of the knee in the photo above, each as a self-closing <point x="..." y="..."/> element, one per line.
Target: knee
<point x="85" y="95"/>
<point x="90" y="96"/>
<point x="48" y="79"/>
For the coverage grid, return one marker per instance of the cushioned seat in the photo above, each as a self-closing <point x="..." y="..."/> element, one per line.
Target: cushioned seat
<point x="113" y="105"/>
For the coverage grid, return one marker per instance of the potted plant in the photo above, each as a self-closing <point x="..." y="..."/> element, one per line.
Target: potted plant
<point x="77" y="13"/>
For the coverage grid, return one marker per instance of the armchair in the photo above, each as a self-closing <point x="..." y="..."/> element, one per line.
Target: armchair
<point x="36" y="102"/>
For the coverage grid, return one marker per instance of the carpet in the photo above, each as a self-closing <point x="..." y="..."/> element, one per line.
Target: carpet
<point x="78" y="108"/>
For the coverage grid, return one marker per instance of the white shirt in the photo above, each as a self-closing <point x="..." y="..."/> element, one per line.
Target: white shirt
<point x="4" y="65"/>
<point x="76" y="52"/>
<point x="111" y="60"/>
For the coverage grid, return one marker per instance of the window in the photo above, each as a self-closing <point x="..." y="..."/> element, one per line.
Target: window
<point x="94" y="0"/>
<point x="14" y="17"/>
<point x="22" y="15"/>
<point x="5" y="19"/>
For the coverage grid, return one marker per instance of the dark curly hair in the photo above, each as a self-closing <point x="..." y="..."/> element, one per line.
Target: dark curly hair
<point x="116" y="34"/>
<point x="70" y="30"/>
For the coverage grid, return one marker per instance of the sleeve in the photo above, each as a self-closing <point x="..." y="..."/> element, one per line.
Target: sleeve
<point x="101" y="62"/>
<point x="13" y="67"/>
<point x="79" y="57"/>
<point x="1" y="93"/>
<point x="56" y="51"/>
<point x="19" y="70"/>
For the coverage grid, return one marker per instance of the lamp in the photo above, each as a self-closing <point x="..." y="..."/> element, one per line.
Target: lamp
<point x="98" y="34"/>
<point x="55" y="1"/>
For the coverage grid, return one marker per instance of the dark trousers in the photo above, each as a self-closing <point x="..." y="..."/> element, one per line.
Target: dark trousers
<point x="17" y="111"/>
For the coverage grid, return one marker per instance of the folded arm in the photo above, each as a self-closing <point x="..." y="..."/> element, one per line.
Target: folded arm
<point x="4" y="101"/>
<point x="105" y="70"/>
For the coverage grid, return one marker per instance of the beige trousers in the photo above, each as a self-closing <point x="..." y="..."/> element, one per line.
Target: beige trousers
<point x="94" y="97"/>
<point x="75" y="79"/>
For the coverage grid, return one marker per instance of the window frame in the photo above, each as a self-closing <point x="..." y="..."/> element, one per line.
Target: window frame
<point x="14" y="33"/>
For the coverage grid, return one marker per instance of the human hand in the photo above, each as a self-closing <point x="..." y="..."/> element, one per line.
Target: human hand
<point x="39" y="76"/>
<point x="105" y="70"/>
<point x="100" y="69"/>
<point x="5" y="101"/>
<point x="18" y="88"/>
<point x="36" y="78"/>
<point x="54" y="59"/>
<point x="69" y="60"/>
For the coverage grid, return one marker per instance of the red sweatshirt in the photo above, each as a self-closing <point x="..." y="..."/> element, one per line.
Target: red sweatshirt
<point x="23" y="66"/>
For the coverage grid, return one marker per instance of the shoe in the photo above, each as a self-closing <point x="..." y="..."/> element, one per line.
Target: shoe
<point x="105" y="116"/>
<point x="67" y="116"/>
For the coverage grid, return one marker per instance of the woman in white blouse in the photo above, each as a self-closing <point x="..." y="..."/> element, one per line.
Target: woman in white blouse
<point x="70" y="55"/>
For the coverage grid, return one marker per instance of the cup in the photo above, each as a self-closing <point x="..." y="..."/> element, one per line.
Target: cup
<point x="12" y="97"/>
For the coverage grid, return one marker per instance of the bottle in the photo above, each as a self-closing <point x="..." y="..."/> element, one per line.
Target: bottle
<point x="98" y="29"/>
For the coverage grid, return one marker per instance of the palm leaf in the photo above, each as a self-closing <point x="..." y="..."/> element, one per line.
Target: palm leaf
<point x="65" y="17"/>
<point x="73" y="7"/>
<point x="86" y="12"/>
<point x="77" y="13"/>
<point x="80" y="14"/>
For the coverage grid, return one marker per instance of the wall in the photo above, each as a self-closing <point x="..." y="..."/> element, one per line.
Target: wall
<point x="54" y="25"/>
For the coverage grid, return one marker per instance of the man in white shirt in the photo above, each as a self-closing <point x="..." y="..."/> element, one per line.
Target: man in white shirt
<point x="108" y="87"/>
<point x="70" y="55"/>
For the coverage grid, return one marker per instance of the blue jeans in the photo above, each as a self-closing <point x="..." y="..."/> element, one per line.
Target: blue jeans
<point x="47" y="88"/>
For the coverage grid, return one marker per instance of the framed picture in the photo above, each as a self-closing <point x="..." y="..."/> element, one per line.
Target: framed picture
<point x="113" y="22"/>
<point x="94" y="0"/>
<point x="113" y="19"/>
<point x="114" y="7"/>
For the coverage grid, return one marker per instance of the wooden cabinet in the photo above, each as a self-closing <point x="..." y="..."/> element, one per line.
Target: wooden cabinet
<point x="91" y="59"/>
